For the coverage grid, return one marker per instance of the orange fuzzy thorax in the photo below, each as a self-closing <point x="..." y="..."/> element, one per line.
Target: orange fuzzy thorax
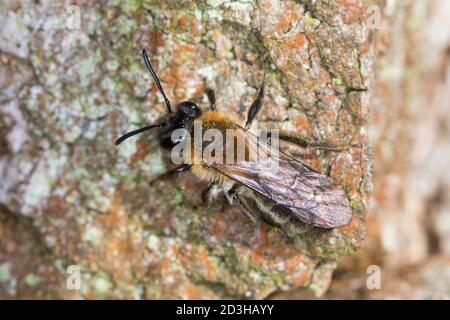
<point x="216" y="120"/>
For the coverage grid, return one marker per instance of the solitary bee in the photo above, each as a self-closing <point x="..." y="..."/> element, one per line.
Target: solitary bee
<point x="294" y="197"/>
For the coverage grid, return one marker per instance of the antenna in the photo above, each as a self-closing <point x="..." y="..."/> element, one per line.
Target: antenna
<point x="155" y="78"/>
<point x="135" y="132"/>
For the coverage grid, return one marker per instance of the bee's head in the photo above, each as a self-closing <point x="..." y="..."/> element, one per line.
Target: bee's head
<point x="184" y="114"/>
<point x="188" y="109"/>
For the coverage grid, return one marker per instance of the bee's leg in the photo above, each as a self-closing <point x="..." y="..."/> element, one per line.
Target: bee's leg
<point x="271" y="214"/>
<point x="206" y="193"/>
<point x="303" y="155"/>
<point x="256" y="105"/>
<point x="171" y="172"/>
<point x="306" y="143"/>
<point x="243" y="205"/>
<point x="282" y="217"/>
<point x="210" y="192"/>
<point x="298" y="227"/>
<point x="236" y="199"/>
<point x="212" y="99"/>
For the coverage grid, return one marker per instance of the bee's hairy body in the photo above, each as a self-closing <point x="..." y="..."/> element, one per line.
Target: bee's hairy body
<point x="210" y="120"/>
<point x="295" y="197"/>
<point x="255" y="206"/>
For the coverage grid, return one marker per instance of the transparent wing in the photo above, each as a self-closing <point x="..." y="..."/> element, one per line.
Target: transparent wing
<point x="310" y="195"/>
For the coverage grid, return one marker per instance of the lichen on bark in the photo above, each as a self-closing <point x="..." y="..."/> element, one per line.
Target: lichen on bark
<point x="69" y="93"/>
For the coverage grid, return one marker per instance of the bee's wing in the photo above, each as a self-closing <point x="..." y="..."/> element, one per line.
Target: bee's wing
<point x="310" y="195"/>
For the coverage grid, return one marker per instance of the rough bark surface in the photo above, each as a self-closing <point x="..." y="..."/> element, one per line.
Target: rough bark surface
<point x="408" y="222"/>
<point x="68" y="196"/>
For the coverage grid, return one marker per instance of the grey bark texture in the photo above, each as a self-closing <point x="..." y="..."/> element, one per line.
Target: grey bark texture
<point x="68" y="196"/>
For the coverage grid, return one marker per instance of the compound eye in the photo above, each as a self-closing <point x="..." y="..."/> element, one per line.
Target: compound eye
<point x="189" y="108"/>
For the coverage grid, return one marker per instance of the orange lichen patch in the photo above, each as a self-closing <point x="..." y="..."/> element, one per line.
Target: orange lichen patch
<point x="189" y="25"/>
<point x="292" y="264"/>
<point x="193" y="292"/>
<point x="156" y="38"/>
<point x="116" y="214"/>
<point x="351" y="227"/>
<point x="187" y="49"/>
<point x="187" y="82"/>
<point x="364" y="48"/>
<point x="266" y="4"/>
<point x="295" y="42"/>
<point x="165" y="263"/>
<point x="324" y="76"/>
<point x="266" y="245"/>
<point x="172" y="75"/>
<point x="142" y="150"/>
<point x="315" y="163"/>
<point x="56" y="213"/>
<point x="341" y="178"/>
<point x="193" y="184"/>
<point x="116" y="248"/>
<point x="57" y="204"/>
<point x="219" y="225"/>
<point x="286" y="21"/>
<point x="184" y="23"/>
<point x="199" y="88"/>
<point x="295" y="275"/>
<point x="198" y="258"/>
<point x="176" y="250"/>
<point x="298" y="279"/>
<point x="330" y="98"/>
<point x="331" y="116"/>
<point x="205" y="260"/>
<point x="340" y="172"/>
<point x="353" y="10"/>
<point x="185" y="256"/>
<point x="181" y="55"/>
<point x="178" y="77"/>
<point x="302" y="122"/>
<point x="162" y="266"/>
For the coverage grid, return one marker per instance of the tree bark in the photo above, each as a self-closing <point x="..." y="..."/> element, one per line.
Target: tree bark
<point x="68" y="94"/>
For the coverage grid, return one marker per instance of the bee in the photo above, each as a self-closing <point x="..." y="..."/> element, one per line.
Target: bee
<point x="294" y="197"/>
